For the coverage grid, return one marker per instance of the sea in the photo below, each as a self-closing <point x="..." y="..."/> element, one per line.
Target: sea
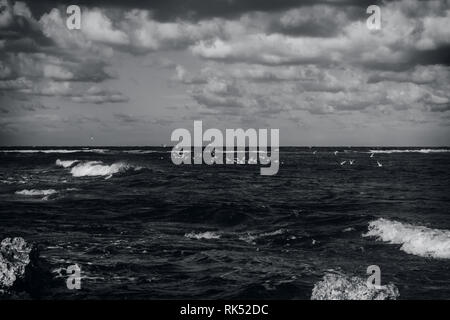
<point x="140" y="227"/>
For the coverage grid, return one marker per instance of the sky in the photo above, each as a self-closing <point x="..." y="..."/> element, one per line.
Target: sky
<point x="137" y="70"/>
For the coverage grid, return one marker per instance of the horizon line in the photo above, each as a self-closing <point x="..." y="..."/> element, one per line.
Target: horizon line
<point x="171" y="146"/>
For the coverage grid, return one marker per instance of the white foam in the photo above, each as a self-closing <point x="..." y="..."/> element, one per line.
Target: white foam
<point x="36" y="192"/>
<point x="66" y="163"/>
<point x="248" y="238"/>
<point x="273" y="233"/>
<point x="98" y="168"/>
<point x="53" y="150"/>
<point x="417" y="240"/>
<point x="341" y="287"/>
<point x="202" y="235"/>
<point x="410" y="151"/>
<point x="141" y="151"/>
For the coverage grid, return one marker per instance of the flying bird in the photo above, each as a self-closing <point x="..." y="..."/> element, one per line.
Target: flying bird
<point x="343" y="162"/>
<point x="379" y="164"/>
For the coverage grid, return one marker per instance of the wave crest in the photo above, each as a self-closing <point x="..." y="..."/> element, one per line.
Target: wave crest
<point x="66" y="163"/>
<point x="410" y="151"/>
<point x="417" y="240"/>
<point x="202" y="235"/>
<point x="98" y="168"/>
<point x="54" y="150"/>
<point x="340" y="287"/>
<point x="36" y="192"/>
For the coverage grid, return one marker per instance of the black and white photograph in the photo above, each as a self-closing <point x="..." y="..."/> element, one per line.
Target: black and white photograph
<point x="224" y="150"/>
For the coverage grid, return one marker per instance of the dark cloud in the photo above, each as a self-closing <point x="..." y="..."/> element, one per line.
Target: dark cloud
<point x="439" y="55"/>
<point x="254" y="61"/>
<point x="200" y="9"/>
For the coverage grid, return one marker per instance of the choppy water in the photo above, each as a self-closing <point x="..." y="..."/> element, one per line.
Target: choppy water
<point x="141" y="227"/>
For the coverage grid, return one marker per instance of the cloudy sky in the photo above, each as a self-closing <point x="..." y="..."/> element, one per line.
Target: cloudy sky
<point x="136" y="70"/>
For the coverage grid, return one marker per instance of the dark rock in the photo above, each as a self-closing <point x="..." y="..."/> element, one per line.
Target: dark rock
<point x="14" y="257"/>
<point x="22" y="272"/>
<point x="341" y="287"/>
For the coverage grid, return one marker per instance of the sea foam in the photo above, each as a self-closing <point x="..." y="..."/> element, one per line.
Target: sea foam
<point x="36" y="192"/>
<point x="417" y="240"/>
<point x="202" y="235"/>
<point x="98" y="168"/>
<point x="410" y="151"/>
<point x="54" y="150"/>
<point x="341" y="287"/>
<point x="66" y="163"/>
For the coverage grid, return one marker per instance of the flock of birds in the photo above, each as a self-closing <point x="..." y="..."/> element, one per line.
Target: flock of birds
<point x="351" y="162"/>
<point x="253" y="160"/>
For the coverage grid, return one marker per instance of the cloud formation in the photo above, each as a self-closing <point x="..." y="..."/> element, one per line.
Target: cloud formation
<point x="284" y="61"/>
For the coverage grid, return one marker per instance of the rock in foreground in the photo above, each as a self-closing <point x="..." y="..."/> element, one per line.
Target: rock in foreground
<point x="339" y="287"/>
<point x="22" y="273"/>
<point x="14" y="258"/>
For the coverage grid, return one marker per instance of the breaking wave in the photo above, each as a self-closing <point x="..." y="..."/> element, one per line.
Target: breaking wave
<point x="66" y="163"/>
<point x="417" y="240"/>
<point x="202" y="235"/>
<point x="54" y="150"/>
<point x="36" y="192"/>
<point x="98" y="168"/>
<point x="341" y="287"/>
<point x="410" y="151"/>
<point x="141" y="151"/>
<point x="251" y="238"/>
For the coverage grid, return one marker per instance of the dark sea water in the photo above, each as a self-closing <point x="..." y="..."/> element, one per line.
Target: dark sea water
<point x="141" y="227"/>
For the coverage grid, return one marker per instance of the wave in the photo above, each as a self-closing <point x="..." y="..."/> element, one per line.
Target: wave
<point x="142" y="151"/>
<point x="66" y="163"/>
<point x="416" y="240"/>
<point x="54" y="150"/>
<point x="341" y="287"/>
<point x="251" y="238"/>
<point x="202" y="235"/>
<point x="410" y="151"/>
<point x="36" y="192"/>
<point x="98" y="168"/>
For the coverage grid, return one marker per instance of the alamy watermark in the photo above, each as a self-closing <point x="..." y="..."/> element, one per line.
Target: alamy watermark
<point x="73" y="21"/>
<point x="235" y="143"/>
<point x="73" y="281"/>
<point x="374" y="279"/>
<point x="374" y="20"/>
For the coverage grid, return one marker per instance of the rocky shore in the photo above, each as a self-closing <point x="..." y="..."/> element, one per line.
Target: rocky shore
<point x="22" y="273"/>
<point x="341" y="287"/>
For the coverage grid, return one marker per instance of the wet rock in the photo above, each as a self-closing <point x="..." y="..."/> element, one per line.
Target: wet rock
<point x="340" y="287"/>
<point x="14" y="258"/>
<point x="22" y="272"/>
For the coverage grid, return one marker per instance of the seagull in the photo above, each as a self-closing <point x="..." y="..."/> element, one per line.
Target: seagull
<point x="372" y="155"/>
<point x="343" y="162"/>
<point x="335" y="153"/>
<point x="379" y="164"/>
<point x="352" y="161"/>
<point x="314" y="152"/>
